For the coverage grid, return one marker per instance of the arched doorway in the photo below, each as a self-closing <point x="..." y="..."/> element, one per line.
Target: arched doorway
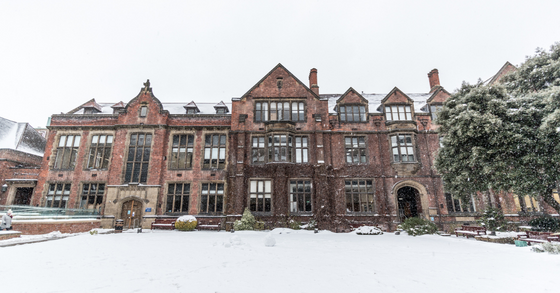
<point x="409" y="203"/>
<point x="132" y="214"/>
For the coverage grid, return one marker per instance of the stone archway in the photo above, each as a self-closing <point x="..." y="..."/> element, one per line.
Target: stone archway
<point x="411" y="200"/>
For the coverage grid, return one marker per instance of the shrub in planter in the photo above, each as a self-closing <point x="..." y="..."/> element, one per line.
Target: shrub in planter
<point x="417" y="226"/>
<point x="186" y="223"/>
<point x="545" y="224"/>
<point x="248" y="222"/>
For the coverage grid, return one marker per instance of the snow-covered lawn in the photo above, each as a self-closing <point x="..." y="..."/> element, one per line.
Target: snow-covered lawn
<point x="173" y="261"/>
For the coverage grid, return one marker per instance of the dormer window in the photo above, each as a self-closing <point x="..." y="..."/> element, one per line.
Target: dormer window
<point x="220" y="111"/>
<point x="191" y="108"/>
<point x="434" y="109"/>
<point x="221" y="108"/>
<point x="191" y="111"/>
<point x="398" y="113"/>
<point x="355" y="113"/>
<point x="143" y="111"/>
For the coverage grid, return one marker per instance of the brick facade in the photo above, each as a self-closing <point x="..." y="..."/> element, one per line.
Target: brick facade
<point x="281" y="149"/>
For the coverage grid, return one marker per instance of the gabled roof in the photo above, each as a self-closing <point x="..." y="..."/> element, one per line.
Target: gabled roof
<point x="146" y="90"/>
<point x="270" y="72"/>
<point x="350" y="90"/>
<point x="440" y="89"/>
<point x="80" y="107"/>
<point x="119" y="105"/>
<point x="92" y="104"/>
<point x="221" y="105"/>
<point x="394" y="90"/>
<point x="192" y="105"/>
<point x="506" y="68"/>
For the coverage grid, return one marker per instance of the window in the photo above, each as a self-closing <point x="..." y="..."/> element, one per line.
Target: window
<point x="260" y="196"/>
<point x="143" y="111"/>
<point x="214" y="151"/>
<point x="178" y="197"/>
<point x="398" y="112"/>
<point x="92" y="195"/>
<point x="191" y="110"/>
<point x="279" y="111"/>
<point x="57" y="195"/>
<point x="359" y="196"/>
<point x="434" y="109"/>
<point x="212" y="198"/>
<point x="457" y="205"/>
<point x="220" y="110"/>
<point x="403" y="149"/>
<point x="66" y="152"/>
<point x="301" y="149"/>
<point x="100" y="151"/>
<point x="300" y="196"/>
<point x="355" y="149"/>
<point x="353" y="113"/>
<point x="258" y="151"/>
<point x="280" y="148"/>
<point x="526" y="204"/>
<point x="182" y="151"/>
<point x="261" y="111"/>
<point x="138" y="158"/>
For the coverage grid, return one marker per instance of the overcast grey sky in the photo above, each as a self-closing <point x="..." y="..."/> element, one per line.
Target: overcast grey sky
<point x="56" y="55"/>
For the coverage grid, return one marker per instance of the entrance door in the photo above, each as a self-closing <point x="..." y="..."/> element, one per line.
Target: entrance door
<point x="23" y="196"/>
<point x="131" y="214"/>
<point x="409" y="203"/>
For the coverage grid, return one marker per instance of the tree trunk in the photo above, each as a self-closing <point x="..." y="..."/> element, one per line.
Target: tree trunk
<point x="549" y="199"/>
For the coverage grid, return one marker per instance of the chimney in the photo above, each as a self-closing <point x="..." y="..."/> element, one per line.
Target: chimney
<point x="433" y="76"/>
<point x="313" y="81"/>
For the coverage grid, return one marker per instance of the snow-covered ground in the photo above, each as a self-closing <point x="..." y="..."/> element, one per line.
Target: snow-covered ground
<point x="300" y="261"/>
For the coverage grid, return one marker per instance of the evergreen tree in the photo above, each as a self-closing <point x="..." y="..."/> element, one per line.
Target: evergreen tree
<point x="505" y="137"/>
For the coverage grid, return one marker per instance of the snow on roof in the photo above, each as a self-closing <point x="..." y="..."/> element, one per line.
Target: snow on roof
<point x="173" y="108"/>
<point x="374" y="101"/>
<point x="21" y="137"/>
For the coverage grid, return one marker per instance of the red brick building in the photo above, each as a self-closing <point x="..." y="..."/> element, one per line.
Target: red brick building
<point x="283" y="150"/>
<point x="21" y="153"/>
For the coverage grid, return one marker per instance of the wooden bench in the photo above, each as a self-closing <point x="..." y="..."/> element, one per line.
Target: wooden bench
<point x="166" y="224"/>
<point x="470" y="231"/>
<point x="209" y="224"/>
<point x="537" y="237"/>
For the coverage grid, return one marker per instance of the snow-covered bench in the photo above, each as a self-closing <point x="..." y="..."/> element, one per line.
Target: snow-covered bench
<point x="537" y="237"/>
<point x="470" y="231"/>
<point x="163" y="224"/>
<point x="209" y="224"/>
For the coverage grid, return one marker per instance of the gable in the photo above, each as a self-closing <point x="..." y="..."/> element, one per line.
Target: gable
<point x="439" y="96"/>
<point x="351" y="96"/>
<point x="279" y="83"/>
<point x="396" y="96"/>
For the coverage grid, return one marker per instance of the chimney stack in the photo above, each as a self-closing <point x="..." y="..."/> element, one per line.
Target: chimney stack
<point x="433" y="76"/>
<point x="313" y="81"/>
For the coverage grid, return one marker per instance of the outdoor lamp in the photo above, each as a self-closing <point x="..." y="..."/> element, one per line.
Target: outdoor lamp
<point x="4" y="187"/>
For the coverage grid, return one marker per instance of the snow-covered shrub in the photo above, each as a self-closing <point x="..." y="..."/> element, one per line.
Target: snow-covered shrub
<point x="248" y="222"/>
<point x="311" y="225"/>
<point x="544" y="224"/>
<point x="186" y="223"/>
<point x="293" y="224"/>
<point x="417" y="226"/>
<point x="493" y="219"/>
<point x="368" y="230"/>
<point x="551" y="247"/>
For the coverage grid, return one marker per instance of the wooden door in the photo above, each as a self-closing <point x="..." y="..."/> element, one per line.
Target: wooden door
<point x="132" y="214"/>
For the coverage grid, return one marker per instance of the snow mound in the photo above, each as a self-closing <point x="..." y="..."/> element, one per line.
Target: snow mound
<point x="368" y="230"/>
<point x="234" y="241"/>
<point x="269" y="240"/>
<point x="186" y="218"/>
